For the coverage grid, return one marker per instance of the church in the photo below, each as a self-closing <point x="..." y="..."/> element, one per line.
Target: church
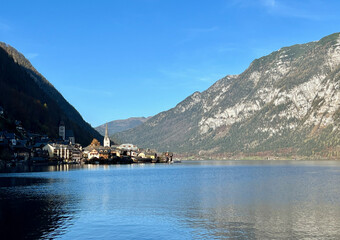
<point x="101" y="152"/>
<point x="106" y="138"/>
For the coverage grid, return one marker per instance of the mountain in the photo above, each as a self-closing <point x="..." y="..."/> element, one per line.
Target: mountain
<point x="121" y="125"/>
<point x="27" y="96"/>
<point x="283" y="104"/>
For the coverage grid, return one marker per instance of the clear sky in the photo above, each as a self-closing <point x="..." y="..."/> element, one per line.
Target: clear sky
<point x="127" y="58"/>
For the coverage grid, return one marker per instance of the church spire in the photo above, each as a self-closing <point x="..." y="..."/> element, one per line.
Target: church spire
<point x="106" y="138"/>
<point x="106" y="131"/>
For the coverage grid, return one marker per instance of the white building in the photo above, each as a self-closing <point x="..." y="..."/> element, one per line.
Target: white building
<point x="76" y="155"/>
<point x="106" y="138"/>
<point x="94" y="154"/>
<point x="50" y="148"/>
<point x="62" y="151"/>
<point x="128" y="147"/>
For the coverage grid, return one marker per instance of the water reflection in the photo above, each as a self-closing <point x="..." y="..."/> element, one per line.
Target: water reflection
<point x="29" y="214"/>
<point x="265" y="222"/>
<point x="251" y="202"/>
<point x="192" y="200"/>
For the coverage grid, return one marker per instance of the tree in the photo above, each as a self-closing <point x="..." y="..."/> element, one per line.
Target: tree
<point x="95" y="143"/>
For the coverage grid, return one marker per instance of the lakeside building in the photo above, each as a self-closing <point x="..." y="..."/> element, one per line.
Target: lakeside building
<point x="128" y="147"/>
<point x="147" y="154"/>
<point x="18" y="144"/>
<point x="71" y="153"/>
<point x="9" y="138"/>
<point x="103" y="152"/>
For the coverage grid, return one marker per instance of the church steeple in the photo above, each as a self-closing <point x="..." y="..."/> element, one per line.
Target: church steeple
<point x="106" y="131"/>
<point x="106" y="138"/>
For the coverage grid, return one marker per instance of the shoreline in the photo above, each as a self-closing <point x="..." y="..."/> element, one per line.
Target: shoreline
<point x="259" y="159"/>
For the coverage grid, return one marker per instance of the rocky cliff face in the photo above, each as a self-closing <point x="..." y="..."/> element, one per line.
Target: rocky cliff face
<point x="287" y="102"/>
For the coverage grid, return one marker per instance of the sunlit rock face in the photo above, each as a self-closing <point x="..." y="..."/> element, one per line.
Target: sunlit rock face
<point x="288" y="99"/>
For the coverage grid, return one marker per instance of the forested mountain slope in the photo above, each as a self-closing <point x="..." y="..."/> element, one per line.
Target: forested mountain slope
<point x="27" y="96"/>
<point x="121" y="125"/>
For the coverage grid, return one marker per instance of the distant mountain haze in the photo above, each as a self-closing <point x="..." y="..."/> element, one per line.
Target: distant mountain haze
<point x="27" y="96"/>
<point x="283" y="104"/>
<point x="121" y="125"/>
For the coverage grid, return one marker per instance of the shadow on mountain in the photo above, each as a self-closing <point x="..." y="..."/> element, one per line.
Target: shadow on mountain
<point x="27" y="96"/>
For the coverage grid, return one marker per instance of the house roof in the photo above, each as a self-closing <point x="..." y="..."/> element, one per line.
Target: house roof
<point x="104" y="150"/>
<point x="21" y="148"/>
<point x="22" y="142"/>
<point x="128" y="146"/>
<point x="39" y="144"/>
<point x="4" y="142"/>
<point x="32" y="135"/>
<point x="10" y="135"/>
<point x="99" y="148"/>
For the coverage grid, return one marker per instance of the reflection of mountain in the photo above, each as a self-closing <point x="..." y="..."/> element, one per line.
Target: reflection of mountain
<point x="229" y="200"/>
<point x="32" y="217"/>
<point x="252" y="202"/>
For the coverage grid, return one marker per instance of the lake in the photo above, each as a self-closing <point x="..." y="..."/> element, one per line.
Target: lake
<point x="190" y="200"/>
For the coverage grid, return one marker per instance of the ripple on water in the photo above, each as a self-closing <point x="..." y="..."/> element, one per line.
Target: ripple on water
<point x="195" y="200"/>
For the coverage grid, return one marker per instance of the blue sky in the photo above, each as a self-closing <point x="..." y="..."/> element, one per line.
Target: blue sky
<point x="126" y="58"/>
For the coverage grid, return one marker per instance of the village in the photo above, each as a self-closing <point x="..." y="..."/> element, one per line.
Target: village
<point x="24" y="147"/>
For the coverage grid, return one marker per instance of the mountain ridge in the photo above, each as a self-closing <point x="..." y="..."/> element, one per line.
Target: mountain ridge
<point x="121" y="125"/>
<point x="31" y="98"/>
<point x="274" y="105"/>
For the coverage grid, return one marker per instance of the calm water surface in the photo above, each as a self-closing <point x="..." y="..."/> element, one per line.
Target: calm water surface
<point x="191" y="200"/>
